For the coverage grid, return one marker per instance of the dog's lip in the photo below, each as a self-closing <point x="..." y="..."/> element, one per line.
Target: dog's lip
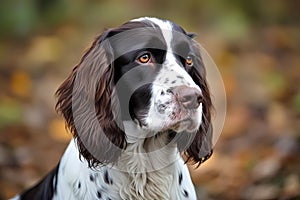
<point x="188" y="122"/>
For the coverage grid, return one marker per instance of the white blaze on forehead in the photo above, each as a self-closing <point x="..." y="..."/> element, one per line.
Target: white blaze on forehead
<point x="166" y="29"/>
<point x="165" y="26"/>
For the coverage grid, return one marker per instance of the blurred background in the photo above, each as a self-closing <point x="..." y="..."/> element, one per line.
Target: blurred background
<point x="255" y="44"/>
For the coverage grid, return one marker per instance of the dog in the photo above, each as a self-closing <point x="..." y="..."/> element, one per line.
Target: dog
<point x="137" y="104"/>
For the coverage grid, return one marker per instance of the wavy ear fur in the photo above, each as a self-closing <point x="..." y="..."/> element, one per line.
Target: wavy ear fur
<point x="87" y="100"/>
<point x="201" y="147"/>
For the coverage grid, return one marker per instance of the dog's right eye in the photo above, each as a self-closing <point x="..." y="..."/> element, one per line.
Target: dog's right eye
<point x="145" y="58"/>
<point x="189" y="61"/>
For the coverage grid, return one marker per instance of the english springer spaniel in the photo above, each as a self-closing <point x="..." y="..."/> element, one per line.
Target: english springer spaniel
<point x="137" y="104"/>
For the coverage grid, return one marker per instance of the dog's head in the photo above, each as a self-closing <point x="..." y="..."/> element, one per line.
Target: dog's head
<point x="148" y="71"/>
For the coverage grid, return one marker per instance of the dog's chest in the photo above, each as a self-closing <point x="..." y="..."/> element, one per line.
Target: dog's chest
<point x="145" y="185"/>
<point x="77" y="181"/>
<point x="110" y="184"/>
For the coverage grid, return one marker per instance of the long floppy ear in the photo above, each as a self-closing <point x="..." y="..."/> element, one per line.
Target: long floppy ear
<point x="200" y="148"/>
<point x="87" y="100"/>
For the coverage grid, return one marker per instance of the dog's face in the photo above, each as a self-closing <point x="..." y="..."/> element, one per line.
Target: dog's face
<point x="147" y="71"/>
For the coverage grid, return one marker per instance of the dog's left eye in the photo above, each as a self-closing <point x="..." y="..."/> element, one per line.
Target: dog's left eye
<point x="145" y="58"/>
<point x="189" y="60"/>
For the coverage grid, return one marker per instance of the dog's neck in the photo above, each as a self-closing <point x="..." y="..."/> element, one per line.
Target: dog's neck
<point x="148" y="159"/>
<point x="154" y="148"/>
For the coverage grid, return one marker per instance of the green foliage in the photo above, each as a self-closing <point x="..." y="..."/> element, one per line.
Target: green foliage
<point x="10" y="112"/>
<point x="21" y="18"/>
<point x="296" y="103"/>
<point x="17" y="18"/>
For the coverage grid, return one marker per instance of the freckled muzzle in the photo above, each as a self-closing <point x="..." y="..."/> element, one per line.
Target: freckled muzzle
<point x="180" y="107"/>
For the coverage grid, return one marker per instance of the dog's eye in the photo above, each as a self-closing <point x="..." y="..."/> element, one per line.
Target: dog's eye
<point x="145" y="58"/>
<point x="189" y="60"/>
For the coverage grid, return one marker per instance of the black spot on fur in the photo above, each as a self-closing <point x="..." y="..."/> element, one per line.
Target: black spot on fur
<point x="180" y="178"/>
<point x="79" y="185"/>
<point x="92" y="178"/>
<point x="99" y="195"/>
<point x="166" y="81"/>
<point x="161" y="108"/>
<point x="107" y="178"/>
<point x="185" y="193"/>
<point x="173" y="82"/>
<point x="180" y="77"/>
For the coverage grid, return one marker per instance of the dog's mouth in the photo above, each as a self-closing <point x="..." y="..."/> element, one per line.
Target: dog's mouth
<point x="181" y="119"/>
<point x="187" y="125"/>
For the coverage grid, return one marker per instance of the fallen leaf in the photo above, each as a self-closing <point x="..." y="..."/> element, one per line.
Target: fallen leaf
<point x="21" y="84"/>
<point x="57" y="130"/>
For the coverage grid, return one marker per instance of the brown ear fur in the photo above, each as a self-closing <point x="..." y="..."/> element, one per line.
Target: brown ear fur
<point x="88" y="102"/>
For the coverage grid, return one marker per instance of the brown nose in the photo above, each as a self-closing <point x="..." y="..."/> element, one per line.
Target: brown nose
<point x="189" y="97"/>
